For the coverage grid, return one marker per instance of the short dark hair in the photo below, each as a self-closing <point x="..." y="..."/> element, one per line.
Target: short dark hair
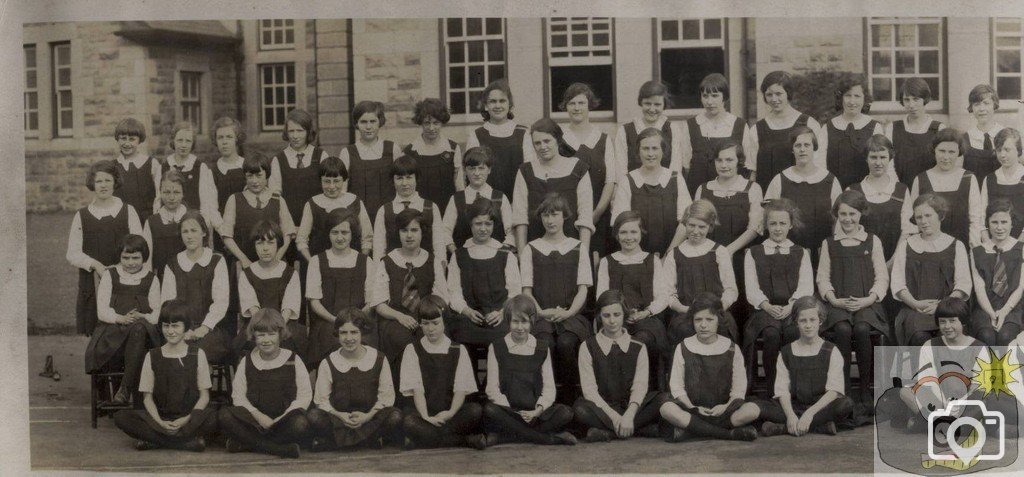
<point x="977" y="95"/>
<point x="810" y="302"/>
<point x="783" y="204"/>
<point x="1008" y="134"/>
<point x="353" y="315"/>
<point x="184" y="126"/>
<point x="952" y="307"/>
<point x="226" y="122"/>
<point x="552" y="202"/>
<point x="333" y="167"/>
<point x="430" y="307"/>
<point x="267" y="230"/>
<point x="878" y="142"/>
<point x="496" y="85"/>
<point x="107" y="166"/>
<point x="781" y="78"/>
<point x="950" y="135"/>
<point x="484" y="206"/>
<point x="917" y="88"/>
<point x="305" y="121"/>
<point x="933" y="200"/>
<point x="372" y="107"/>
<point x="800" y="130"/>
<point x="255" y="163"/>
<point x="404" y="166"/>
<point x="652" y="132"/>
<point x="549" y="126"/>
<point x="408" y="216"/>
<point x="342" y="215"/>
<point x="714" y="83"/>
<point x="133" y="243"/>
<point x="847" y="83"/>
<point x="268" y="320"/>
<point x="726" y="144"/>
<point x="610" y="297"/>
<point x="519" y="305"/>
<point x="175" y="311"/>
<point x="706" y="301"/>
<point x="577" y="89"/>
<point x="653" y="88"/>
<point x="194" y="214"/>
<point x="852" y="198"/>
<point x="130" y="127"/>
<point x="997" y="205"/>
<point x="478" y="156"/>
<point x="626" y="217"/>
<point x="431" y="108"/>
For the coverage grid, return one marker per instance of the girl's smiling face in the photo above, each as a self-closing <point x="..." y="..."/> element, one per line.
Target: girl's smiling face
<point x="297" y="136"/>
<point x="545" y="145"/>
<point x="430" y="129"/>
<point x="803" y="149"/>
<point x="341" y="236"/>
<point x="776" y="98"/>
<point x="913" y="105"/>
<point x="173" y="332"/>
<point x="611" y="319"/>
<point x="267" y="342"/>
<point x="946" y="154"/>
<point x="578" y="108"/>
<point x="103" y="185"/>
<point x="928" y="220"/>
<point x="349" y="337"/>
<point x="853" y="100"/>
<point x="779" y="224"/>
<point x="368" y="126"/>
<point x="713" y="102"/>
<point x="629" y="236"/>
<point x="552" y="221"/>
<point x="652" y="107"/>
<point x="227" y="141"/>
<point x="696" y="230"/>
<point x="848" y="217"/>
<point x="183" y="141"/>
<point x="520" y="326"/>
<point x="1007" y="153"/>
<point x="727" y="163"/>
<point x="651" y="152"/>
<point x="999" y="225"/>
<point x="498" y="106"/>
<point x="950" y="327"/>
<point x="128" y="145"/>
<point x="332" y="186"/>
<point x="878" y="162"/>
<point x="170" y="194"/>
<point x="192" y="235"/>
<point x="256" y="182"/>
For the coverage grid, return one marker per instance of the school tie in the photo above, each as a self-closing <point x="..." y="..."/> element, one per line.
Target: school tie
<point x="259" y="203"/>
<point x="409" y="296"/>
<point x="298" y="160"/>
<point x="405" y="204"/>
<point x="778" y="249"/>
<point x="999" y="282"/>
<point x="849" y="128"/>
<point x="988" y="142"/>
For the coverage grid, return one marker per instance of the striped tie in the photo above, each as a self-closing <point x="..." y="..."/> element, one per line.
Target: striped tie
<point x="409" y="296"/>
<point x="999" y="282"/>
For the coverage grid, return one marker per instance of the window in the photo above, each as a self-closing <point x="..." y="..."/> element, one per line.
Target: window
<point x="277" y="34"/>
<point x="579" y="50"/>
<point x="31" y="92"/>
<point x="688" y="50"/>
<point x="1007" y="46"/>
<point x="277" y="85"/>
<point x="474" y="55"/>
<point x="63" y="116"/>
<point x="901" y="48"/>
<point x="191" y="105"/>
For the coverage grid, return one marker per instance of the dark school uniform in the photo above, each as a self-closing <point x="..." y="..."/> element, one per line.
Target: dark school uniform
<point x="980" y="156"/>
<point x="691" y="270"/>
<point x="613" y="375"/>
<point x="708" y="375"/>
<point x="548" y="269"/>
<point x="804" y="380"/>
<point x="660" y="206"/>
<point x="702" y="162"/>
<point x="97" y="238"/>
<point x="198" y="186"/>
<point x="509" y="153"/>
<point x="364" y="385"/>
<point x="632" y="141"/>
<point x="175" y="383"/>
<point x="597" y="153"/>
<point x="440" y="371"/>
<point x="162" y="232"/>
<point x="205" y="288"/>
<point x="984" y="260"/>
<point x="913" y="153"/>
<point x="885" y="209"/>
<point x="992" y="189"/>
<point x="313" y="233"/>
<point x="638" y="277"/>
<point x="276" y="288"/>
<point x="457" y="220"/>
<point x="481" y="278"/>
<point x="854" y="271"/>
<point x="277" y="388"/>
<point x="228" y="183"/>
<point x="337" y="287"/>
<point x="568" y="186"/>
<point x="847" y="151"/>
<point x="369" y="178"/>
<point x="774" y="151"/>
<point x="928" y="271"/>
<point x="733" y="207"/>
<point x="958" y="221"/>
<point x="436" y="180"/>
<point x="297" y="183"/>
<point x="246" y="216"/>
<point x="400" y="283"/>
<point x="140" y="180"/>
<point x="386" y="235"/>
<point x="813" y="196"/>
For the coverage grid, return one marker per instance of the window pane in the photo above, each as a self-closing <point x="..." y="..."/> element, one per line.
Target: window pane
<point x="30" y="79"/>
<point x="599" y="77"/>
<point x="457" y="77"/>
<point x="267" y="37"/>
<point x="474" y="27"/>
<point x="929" y="62"/>
<point x="476" y="77"/>
<point x="278" y="23"/>
<point x="881" y="89"/>
<point x="601" y="25"/>
<point x="493" y="26"/>
<point x="881" y="62"/>
<point x="579" y="26"/>
<point x="64" y="55"/>
<point x="1008" y="88"/>
<point x="558" y="27"/>
<point x="601" y="39"/>
<point x="683" y="69"/>
<point x="65" y="99"/>
<point x="279" y="116"/>
<point x="268" y="74"/>
<point x="1008" y="61"/>
<point x="581" y="40"/>
<point x="669" y="30"/>
<point x="291" y="73"/>
<point x="933" y="84"/>
<point x="30" y="57"/>
<point x="457" y="52"/>
<point x="291" y="96"/>
<point x="278" y="36"/>
<point x="454" y="27"/>
<point x="1008" y="25"/>
<point x="266" y="23"/>
<point x="881" y="35"/>
<point x="268" y="96"/>
<point x="905" y="62"/>
<point x="712" y="28"/>
<point x="457" y="102"/>
<point x="495" y="50"/>
<point x="929" y="35"/>
<point x="691" y="29"/>
<point x="495" y="72"/>
<point x="559" y="41"/>
<point x="32" y="100"/>
<point x="33" y="121"/>
<point x="268" y="116"/>
<point x="289" y="36"/>
<point x="906" y="35"/>
<point x="476" y="51"/>
<point x="66" y="119"/>
<point x="474" y="100"/>
<point x="1008" y="41"/>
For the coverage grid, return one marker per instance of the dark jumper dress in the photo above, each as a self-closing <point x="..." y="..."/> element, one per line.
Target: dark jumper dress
<point x="958" y="221"/>
<point x="985" y="263"/>
<point x="342" y="288"/>
<point x="195" y="287"/>
<point x="774" y="153"/>
<point x="853" y="274"/>
<point x="352" y="391"/>
<point x="462" y="231"/>
<point x="538" y="189"/>
<point x="484" y="289"/>
<point x="190" y="189"/>
<point x="436" y="181"/>
<point x="633" y="160"/>
<point x="913" y="152"/>
<point x="707" y="380"/>
<point x="137" y="187"/>
<point x="657" y="208"/>
<point x="100" y="238"/>
<point x="815" y="204"/>
<point x="601" y="241"/>
<point x="1014" y="193"/>
<point x="778" y="276"/>
<point x="370" y="180"/>
<point x="880" y="217"/>
<point x="929" y="276"/>
<point x="108" y="339"/>
<point x="702" y="164"/>
<point x="636" y="281"/>
<point x="847" y="152"/>
<point x="695" y="275"/>
<point x="508" y="156"/>
<point x="554" y="285"/>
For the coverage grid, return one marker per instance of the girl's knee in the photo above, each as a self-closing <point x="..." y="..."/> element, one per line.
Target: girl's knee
<point x="842" y="330"/>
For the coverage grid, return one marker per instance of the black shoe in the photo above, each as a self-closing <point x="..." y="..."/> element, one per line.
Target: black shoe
<point x="121" y="397"/>
<point x="769" y="429"/>
<point x="478" y="441"/>
<point x="745" y="433"/>
<point x="564" y="439"/>
<point x="144" y="445"/>
<point x="678" y="435"/>
<point x="195" y="445"/>
<point x="233" y="446"/>
<point x="288" y="451"/>
<point x="828" y="428"/>
<point x="599" y="435"/>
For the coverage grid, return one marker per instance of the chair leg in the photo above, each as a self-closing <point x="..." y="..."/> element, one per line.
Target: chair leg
<point x="94" y="398"/>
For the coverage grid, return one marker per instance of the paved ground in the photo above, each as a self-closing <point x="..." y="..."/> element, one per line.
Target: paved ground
<point x="52" y="282"/>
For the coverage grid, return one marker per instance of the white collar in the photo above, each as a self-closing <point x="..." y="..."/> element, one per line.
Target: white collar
<point x="976" y="133"/>
<point x="275" y="271"/>
<point x="486" y="192"/>
<point x="664" y="176"/>
<point x="500" y="130"/>
<point x="817" y="176"/>
<point x="491" y="243"/>
<point x="1005" y="245"/>
<point x="415" y="201"/>
<point x="859" y="235"/>
<point x="186" y="166"/>
<point x="443" y="143"/>
<point x="639" y="124"/>
<point x="737" y="185"/>
<point x="112" y="210"/>
<point x="840" y="122"/>
<point x="342" y="200"/>
<point x="365" y="363"/>
<point x="920" y="245"/>
<point x="575" y="142"/>
<point x="630" y="259"/>
<point x="1011" y="179"/>
<point x="721" y="345"/>
<point x="131" y="278"/>
<point x="171" y="217"/>
<point x="374" y="150"/>
<point x="139" y="160"/>
<point x="261" y="364"/>
<point x="784" y="246"/>
<point x="690" y="250"/>
<point x="204" y="259"/>
<point x="440" y="347"/>
<point x="545" y="248"/>
<point x="417" y="261"/>
<point x="605" y="343"/>
<point x="870" y="189"/>
<point x="530" y="345"/>
<point x="224" y="166"/>
<point x="724" y="118"/>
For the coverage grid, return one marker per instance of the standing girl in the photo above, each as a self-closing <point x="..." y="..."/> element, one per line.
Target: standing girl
<point x="405" y="179"/>
<point x="254" y="204"/>
<point x="161" y="228"/>
<point x="997" y="272"/>
<point x="338" y="278"/>
<point x="140" y="173"/>
<point x="95" y="233"/>
<point x="980" y="155"/>
<point x="812" y="188"/>
<point x="369" y="159"/>
<point x="887" y="199"/>
<point x="438" y="158"/>
<point x="656" y="192"/>
<point x="614" y="378"/>
<point x="846" y="134"/>
<point x="853" y="280"/>
<point x="313" y="234"/>
<point x="270" y="283"/>
<point x="198" y="189"/>
<point x="594" y="149"/>
<point x="697" y="266"/>
<point x="926" y="268"/>
<point x="228" y="177"/>
<point x="706" y="132"/>
<point x="769" y="141"/>
<point x="653" y="100"/>
<point x="777" y="273"/>
<point x="477" y="166"/>
<point x="912" y="136"/>
<point x="736" y="199"/>
<point x="295" y="171"/>
<point x="509" y="141"/>
<point x="1007" y="182"/>
<point x="956" y="185"/>
<point x="555" y="170"/>
<point x="355" y="395"/>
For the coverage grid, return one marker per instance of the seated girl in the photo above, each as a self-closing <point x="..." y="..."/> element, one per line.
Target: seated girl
<point x="997" y="272"/>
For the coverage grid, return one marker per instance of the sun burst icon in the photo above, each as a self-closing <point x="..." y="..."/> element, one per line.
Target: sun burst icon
<point x="994" y="376"/>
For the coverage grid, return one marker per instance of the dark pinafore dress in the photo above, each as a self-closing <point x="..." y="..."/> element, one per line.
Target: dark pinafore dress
<point x="913" y="152"/>
<point x="342" y="288"/>
<point x="882" y="218"/>
<point x="733" y="214"/>
<point x="227" y="184"/>
<point x="847" y="152"/>
<point x="775" y="152"/>
<point x="108" y="339"/>
<point x="808" y="375"/>
<point x="614" y="374"/>
<point x="392" y="238"/>
<point x="195" y="288"/>
<point x="1014" y="193"/>
<point x="270" y="294"/>
<point x="702" y="165"/>
<point x="778" y="275"/>
<point x="483" y="288"/>
<point x="853" y="275"/>
<point x="929" y="276"/>
<point x="355" y="391"/>
<point x="520" y="377"/>
<point x="657" y="208"/>
<point x="393" y="336"/>
<point x="508" y="156"/>
<point x="271" y="391"/>
<point x="695" y="275"/>
<point x="100" y="239"/>
<point x="246" y="218"/>
<point x="320" y="236"/>
<point x="538" y="189"/>
<point x="190" y="189"/>
<point x="980" y="162"/>
<point x="633" y="160"/>
<point x="462" y="231"/>
<point x="707" y="380"/>
<point x="370" y="180"/>
<point x="958" y="220"/>
<point x="554" y="285"/>
<point x="166" y="242"/>
<point x="137" y="187"/>
<point x="438" y="376"/>
<point x="636" y="282"/>
<point x="815" y="204"/>
<point x="176" y="391"/>
<point x="299" y="184"/>
<point x="985" y="262"/>
<point x="436" y="181"/>
<point x="601" y="241"/>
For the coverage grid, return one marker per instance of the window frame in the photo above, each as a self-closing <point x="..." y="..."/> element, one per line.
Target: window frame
<point x="272" y="28"/>
<point x="59" y="129"/>
<point x="996" y="74"/>
<point x="185" y="100"/>
<point x="680" y="44"/>
<point x="32" y="133"/>
<point x="551" y="106"/>
<point x="936" y="105"/>
<point x="262" y="86"/>
<point x="469" y="117"/>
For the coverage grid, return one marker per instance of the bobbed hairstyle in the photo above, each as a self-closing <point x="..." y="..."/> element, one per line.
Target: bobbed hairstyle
<point x="548" y="126"/>
<point x="130" y="127"/>
<point x="653" y="88"/>
<point x="430" y="307"/>
<point x="183" y="126"/>
<point x="268" y="320"/>
<point x="950" y="135"/>
<point x="333" y="167"/>
<point x="878" y="142"/>
<point x="484" y="206"/>
<point x="626" y="217"/>
<point x="611" y="297"/>
<point x="343" y="215"/>
<point x="430" y="108"/>
<point x="496" y="85"/>
<point x="783" y="204"/>
<point x="978" y="94"/>
<point x="917" y="88"/>
<point x="406" y="217"/>
<point x="357" y="317"/>
<point x="649" y="133"/>
<point x="938" y="203"/>
<point x="706" y="301"/>
<point x="809" y="302"/>
<point x="404" y="166"/>
<point x="371" y="107"/>
<point x="725" y="145"/>
<point x="1001" y="204"/>
<point x="554" y="202"/>
<point x="952" y="307"/>
<point x="173" y="176"/>
<point x="255" y="163"/>
<point x="133" y="243"/>
<point x="800" y="130"/>
<point x="781" y="78"/>
<point x="478" y="156"/>
<point x="714" y="83"/>
<point x="704" y="211"/>
<point x="267" y="230"/>
<point x="106" y="166"/>
<point x="519" y="305"/>
<point x="847" y="83"/>
<point x="305" y="121"/>
<point x="174" y="311"/>
<point x="194" y="214"/>
<point x="1008" y="134"/>
<point x="851" y="198"/>
<point x="226" y="122"/>
<point x="577" y="89"/>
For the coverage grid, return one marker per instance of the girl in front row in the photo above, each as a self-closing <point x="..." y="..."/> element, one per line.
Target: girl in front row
<point x="521" y="385"/>
<point x="777" y="272"/>
<point x="270" y="393"/>
<point x="355" y="395"/>
<point x="809" y="389"/>
<point x="708" y="381"/>
<point x="614" y="374"/>
<point x="997" y="272"/>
